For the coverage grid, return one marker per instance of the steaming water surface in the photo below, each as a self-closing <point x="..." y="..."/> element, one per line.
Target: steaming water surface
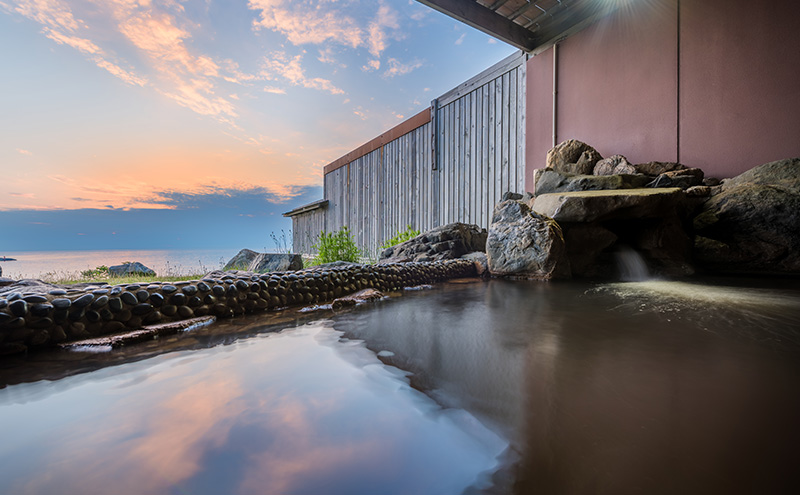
<point x="645" y="387"/>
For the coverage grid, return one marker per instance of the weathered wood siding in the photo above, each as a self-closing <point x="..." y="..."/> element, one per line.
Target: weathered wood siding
<point x="384" y="191"/>
<point x="481" y="135"/>
<point x="305" y="230"/>
<point x="453" y="168"/>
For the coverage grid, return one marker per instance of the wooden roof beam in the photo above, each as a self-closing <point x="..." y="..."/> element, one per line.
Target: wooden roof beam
<point x="484" y="19"/>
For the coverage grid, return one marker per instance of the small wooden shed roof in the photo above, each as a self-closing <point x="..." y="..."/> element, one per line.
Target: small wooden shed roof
<point x="526" y="24"/>
<point x="320" y="203"/>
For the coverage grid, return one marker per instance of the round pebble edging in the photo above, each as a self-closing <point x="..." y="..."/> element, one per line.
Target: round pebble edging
<point x="29" y="321"/>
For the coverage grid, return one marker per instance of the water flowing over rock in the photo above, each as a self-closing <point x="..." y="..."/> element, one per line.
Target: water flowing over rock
<point x="252" y="261"/>
<point x="522" y="243"/>
<point x="133" y="268"/>
<point x="573" y="157"/>
<point x="753" y="225"/>
<point x="446" y="242"/>
<point x="595" y="222"/>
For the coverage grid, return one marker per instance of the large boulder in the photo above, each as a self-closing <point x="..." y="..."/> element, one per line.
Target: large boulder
<point x="251" y="261"/>
<point x="573" y="157"/>
<point x="522" y="243"/>
<point x="590" y="206"/>
<point x="753" y="225"/>
<point x="446" y="242"/>
<point x="133" y="268"/>
<point x="616" y="164"/>
<point x="550" y="181"/>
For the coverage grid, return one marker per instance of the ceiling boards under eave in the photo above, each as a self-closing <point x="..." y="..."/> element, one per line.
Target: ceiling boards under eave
<point x="530" y="25"/>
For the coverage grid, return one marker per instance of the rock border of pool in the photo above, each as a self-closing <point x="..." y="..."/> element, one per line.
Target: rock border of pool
<point x="31" y="319"/>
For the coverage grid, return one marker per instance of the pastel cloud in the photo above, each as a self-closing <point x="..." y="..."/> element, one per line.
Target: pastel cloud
<point x="397" y="68"/>
<point x="310" y="22"/>
<point x="385" y="19"/>
<point x="306" y="23"/>
<point x="279" y="65"/>
<point x="80" y="44"/>
<point x="54" y="14"/>
<point x="60" y="25"/>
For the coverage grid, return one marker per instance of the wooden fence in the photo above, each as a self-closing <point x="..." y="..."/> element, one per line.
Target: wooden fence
<point x="449" y="163"/>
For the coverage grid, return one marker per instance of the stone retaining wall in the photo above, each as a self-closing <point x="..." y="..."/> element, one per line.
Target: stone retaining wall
<point x="33" y="320"/>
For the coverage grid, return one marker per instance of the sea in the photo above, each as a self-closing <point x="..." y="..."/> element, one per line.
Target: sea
<point x="65" y="264"/>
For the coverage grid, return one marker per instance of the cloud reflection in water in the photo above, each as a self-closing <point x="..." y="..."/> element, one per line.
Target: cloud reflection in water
<point x="295" y="412"/>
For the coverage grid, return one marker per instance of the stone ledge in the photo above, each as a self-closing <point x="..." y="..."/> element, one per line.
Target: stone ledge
<point x="589" y="206"/>
<point x="43" y="316"/>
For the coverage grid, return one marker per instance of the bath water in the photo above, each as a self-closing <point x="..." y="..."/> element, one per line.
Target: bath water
<point x="469" y="387"/>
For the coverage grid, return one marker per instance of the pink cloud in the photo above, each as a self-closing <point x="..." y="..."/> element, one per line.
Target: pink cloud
<point x="80" y="44"/>
<point x="280" y="65"/>
<point x="397" y="68"/>
<point x="305" y="22"/>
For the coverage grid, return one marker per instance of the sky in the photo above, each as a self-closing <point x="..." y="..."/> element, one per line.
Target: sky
<point x="154" y="124"/>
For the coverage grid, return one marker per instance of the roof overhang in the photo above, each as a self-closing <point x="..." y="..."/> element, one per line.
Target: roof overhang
<point x="322" y="203"/>
<point x="530" y="25"/>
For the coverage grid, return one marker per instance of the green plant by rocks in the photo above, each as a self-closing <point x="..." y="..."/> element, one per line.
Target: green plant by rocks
<point x="336" y="246"/>
<point x="401" y="236"/>
<point x="98" y="272"/>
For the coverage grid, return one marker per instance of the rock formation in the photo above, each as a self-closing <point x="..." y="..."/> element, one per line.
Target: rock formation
<point x="132" y="268"/>
<point x="597" y="223"/>
<point x="550" y="181"/>
<point x="753" y="224"/>
<point x="614" y="165"/>
<point x="251" y="261"/>
<point x="446" y="242"/>
<point x="522" y="243"/>
<point x="572" y="157"/>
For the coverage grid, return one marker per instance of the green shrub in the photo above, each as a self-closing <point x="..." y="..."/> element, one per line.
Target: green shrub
<point x="401" y="236"/>
<point x="336" y="246"/>
<point x="99" y="272"/>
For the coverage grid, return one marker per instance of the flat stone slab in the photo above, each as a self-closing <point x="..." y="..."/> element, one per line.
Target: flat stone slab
<point x="590" y="206"/>
<point x="146" y="333"/>
<point x="358" y="297"/>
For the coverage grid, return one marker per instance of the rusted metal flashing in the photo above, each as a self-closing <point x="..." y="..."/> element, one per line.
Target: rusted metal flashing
<point x="399" y="130"/>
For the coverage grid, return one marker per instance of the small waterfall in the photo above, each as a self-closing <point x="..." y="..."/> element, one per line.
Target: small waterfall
<point x="632" y="267"/>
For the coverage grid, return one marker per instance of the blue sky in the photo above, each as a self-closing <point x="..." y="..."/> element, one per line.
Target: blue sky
<point x="154" y="122"/>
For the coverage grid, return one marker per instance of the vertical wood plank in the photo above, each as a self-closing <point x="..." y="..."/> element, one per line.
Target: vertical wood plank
<point x="498" y="136"/>
<point x="512" y="132"/>
<point x="521" y="134"/>
<point x="506" y="186"/>
<point x="473" y="159"/>
<point x="490" y="180"/>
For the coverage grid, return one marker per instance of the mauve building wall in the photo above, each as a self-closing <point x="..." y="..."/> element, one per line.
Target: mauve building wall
<point x="711" y="83"/>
